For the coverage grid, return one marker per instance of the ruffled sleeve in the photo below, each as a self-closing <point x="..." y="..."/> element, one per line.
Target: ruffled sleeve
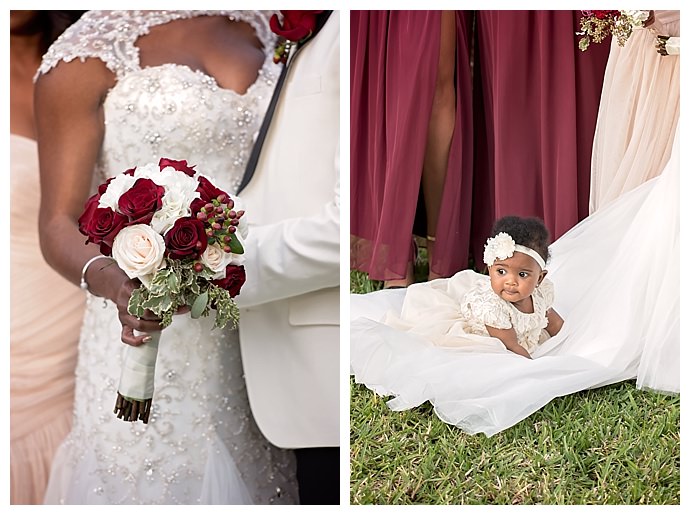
<point x="481" y="306"/>
<point x="105" y="35"/>
<point x="545" y="293"/>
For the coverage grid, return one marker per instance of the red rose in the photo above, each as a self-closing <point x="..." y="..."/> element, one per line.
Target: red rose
<point x="235" y="277"/>
<point x="100" y="225"/>
<point x="208" y="191"/>
<point x="186" y="239"/>
<point x="180" y="166"/>
<point x="296" y="25"/>
<point x="196" y="205"/>
<point x="141" y="201"/>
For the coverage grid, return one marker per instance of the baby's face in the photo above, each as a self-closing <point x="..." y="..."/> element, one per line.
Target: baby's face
<point x="515" y="278"/>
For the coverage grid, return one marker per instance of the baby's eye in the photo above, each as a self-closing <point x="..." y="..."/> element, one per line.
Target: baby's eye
<point x="501" y="271"/>
<point x="524" y="274"/>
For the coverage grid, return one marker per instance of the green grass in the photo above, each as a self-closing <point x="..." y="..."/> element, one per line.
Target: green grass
<point x="611" y="445"/>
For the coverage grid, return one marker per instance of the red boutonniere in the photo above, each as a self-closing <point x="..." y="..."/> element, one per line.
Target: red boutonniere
<point x="295" y="27"/>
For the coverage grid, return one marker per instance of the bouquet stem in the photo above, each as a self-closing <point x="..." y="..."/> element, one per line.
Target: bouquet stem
<point x="135" y="393"/>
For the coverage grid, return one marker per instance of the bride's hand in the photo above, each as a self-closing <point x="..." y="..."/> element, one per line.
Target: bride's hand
<point x="110" y="282"/>
<point x="145" y="325"/>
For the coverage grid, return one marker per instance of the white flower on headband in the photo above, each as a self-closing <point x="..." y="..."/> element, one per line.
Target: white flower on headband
<point x="500" y="246"/>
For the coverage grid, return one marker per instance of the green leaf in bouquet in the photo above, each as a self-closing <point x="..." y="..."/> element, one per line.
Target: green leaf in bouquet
<point x="199" y="305"/>
<point x="159" y="304"/>
<point x="226" y="309"/>
<point x="235" y="245"/>
<point x="159" y="283"/>
<point x="167" y="318"/>
<point x="135" y="306"/>
<point x="173" y="281"/>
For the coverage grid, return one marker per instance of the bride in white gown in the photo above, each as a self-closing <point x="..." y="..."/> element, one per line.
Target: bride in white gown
<point x="201" y="444"/>
<point x="616" y="277"/>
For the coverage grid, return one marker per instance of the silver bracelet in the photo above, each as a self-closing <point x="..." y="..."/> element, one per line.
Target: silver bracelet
<point x="82" y="284"/>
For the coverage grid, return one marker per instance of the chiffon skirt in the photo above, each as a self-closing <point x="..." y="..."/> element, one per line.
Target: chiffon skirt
<point x="616" y="279"/>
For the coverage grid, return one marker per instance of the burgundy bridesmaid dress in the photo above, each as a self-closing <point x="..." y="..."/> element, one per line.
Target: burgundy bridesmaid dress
<point x="536" y="102"/>
<point x="393" y="65"/>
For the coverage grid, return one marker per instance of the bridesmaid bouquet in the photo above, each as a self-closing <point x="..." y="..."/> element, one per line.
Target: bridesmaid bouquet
<point x="168" y="226"/>
<point x="597" y="25"/>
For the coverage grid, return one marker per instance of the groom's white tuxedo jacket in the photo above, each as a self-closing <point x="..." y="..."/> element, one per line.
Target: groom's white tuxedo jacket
<point x="289" y="318"/>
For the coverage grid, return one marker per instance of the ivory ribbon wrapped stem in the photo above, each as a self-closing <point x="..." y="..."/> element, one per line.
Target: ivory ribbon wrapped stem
<point x="135" y="393"/>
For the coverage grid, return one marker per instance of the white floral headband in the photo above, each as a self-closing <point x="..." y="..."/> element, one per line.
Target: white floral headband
<point x="503" y="246"/>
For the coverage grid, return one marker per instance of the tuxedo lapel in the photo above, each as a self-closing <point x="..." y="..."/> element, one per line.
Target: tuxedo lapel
<point x="256" y="150"/>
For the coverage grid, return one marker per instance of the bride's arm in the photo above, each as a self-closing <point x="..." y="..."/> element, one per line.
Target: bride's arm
<point x="70" y="127"/>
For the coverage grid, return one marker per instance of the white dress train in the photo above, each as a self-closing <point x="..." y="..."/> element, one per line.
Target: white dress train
<point x="616" y="277"/>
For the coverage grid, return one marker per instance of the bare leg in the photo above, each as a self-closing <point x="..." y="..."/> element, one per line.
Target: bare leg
<point x="441" y="126"/>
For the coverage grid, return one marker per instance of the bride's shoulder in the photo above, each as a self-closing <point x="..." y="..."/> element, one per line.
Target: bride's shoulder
<point x="105" y="35"/>
<point x="259" y="21"/>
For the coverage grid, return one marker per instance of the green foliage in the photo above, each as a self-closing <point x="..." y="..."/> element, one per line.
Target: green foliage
<point x="611" y="445"/>
<point x="179" y="285"/>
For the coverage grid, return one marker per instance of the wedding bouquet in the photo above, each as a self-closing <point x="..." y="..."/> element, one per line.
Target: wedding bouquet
<point x="171" y="228"/>
<point x="597" y="25"/>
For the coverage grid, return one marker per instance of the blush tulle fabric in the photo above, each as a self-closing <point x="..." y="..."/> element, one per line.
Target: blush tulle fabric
<point x="616" y="285"/>
<point x="638" y="115"/>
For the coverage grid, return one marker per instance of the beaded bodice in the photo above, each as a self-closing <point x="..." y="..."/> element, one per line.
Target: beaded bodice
<point x="168" y="110"/>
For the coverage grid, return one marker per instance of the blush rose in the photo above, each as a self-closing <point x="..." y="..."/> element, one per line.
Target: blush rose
<point x="139" y="252"/>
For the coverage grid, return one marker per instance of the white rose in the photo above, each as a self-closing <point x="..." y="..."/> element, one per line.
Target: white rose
<point x="139" y="250"/>
<point x="216" y="259"/>
<point x="114" y="191"/>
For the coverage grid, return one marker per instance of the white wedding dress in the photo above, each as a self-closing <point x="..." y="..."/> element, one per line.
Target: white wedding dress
<point x="616" y="277"/>
<point x="201" y="445"/>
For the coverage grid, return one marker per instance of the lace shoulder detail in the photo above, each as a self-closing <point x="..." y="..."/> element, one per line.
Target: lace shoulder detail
<point x="481" y="304"/>
<point x="111" y="36"/>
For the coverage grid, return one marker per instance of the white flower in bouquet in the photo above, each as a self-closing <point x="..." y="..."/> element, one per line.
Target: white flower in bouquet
<point x="637" y="18"/>
<point x="180" y="191"/>
<point x="139" y="252"/>
<point x="114" y="191"/>
<point x="147" y="171"/>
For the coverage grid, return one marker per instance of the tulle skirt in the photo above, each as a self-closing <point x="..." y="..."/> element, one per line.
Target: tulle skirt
<point x="616" y="276"/>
